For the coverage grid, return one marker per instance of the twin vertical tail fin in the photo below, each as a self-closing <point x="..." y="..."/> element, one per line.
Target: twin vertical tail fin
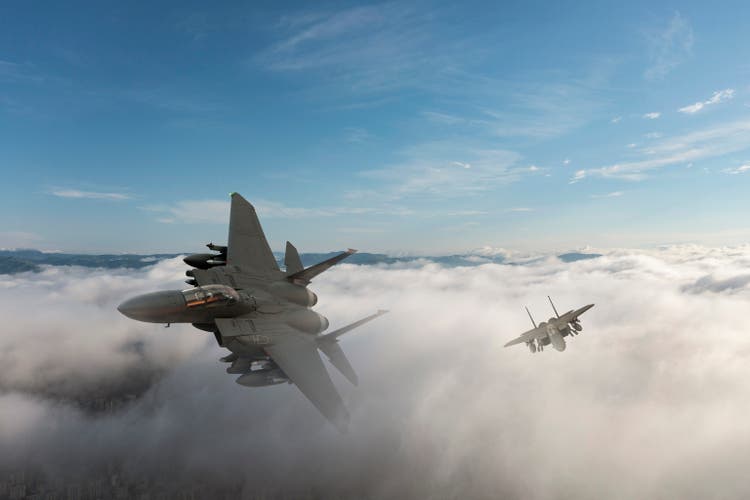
<point x="553" y="306"/>
<point x="532" y="319"/>
<point x="291" y="260"/>
<point x="304" y="276"/>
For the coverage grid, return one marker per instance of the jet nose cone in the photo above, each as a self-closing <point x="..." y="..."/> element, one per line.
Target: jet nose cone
<point x="155" y="307"/>
<point x="132" y="307"/>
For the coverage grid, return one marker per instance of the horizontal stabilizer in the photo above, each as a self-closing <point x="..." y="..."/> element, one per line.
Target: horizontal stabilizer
<point x="291" y="260"/>
<point x="337" y="333"/>
<point x="336" y="356"/>
<point x="306" y="275"/>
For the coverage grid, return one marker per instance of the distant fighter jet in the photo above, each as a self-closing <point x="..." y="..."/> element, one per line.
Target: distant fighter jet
<point x="553" y="331"/>
<point x="258" y="312"/>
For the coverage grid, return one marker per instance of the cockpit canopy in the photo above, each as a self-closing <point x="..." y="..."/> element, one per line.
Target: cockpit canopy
<point x="210" y="296"/>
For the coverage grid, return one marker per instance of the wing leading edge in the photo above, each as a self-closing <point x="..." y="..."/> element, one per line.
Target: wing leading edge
<point x="527" y="336"/>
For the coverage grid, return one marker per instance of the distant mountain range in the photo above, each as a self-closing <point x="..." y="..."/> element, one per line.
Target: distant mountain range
<point x="20" y="261"/>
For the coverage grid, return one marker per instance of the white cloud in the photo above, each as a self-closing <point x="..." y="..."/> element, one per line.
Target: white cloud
<point x="443" y="118"/>
<point x="217" y="211"/>
<point x="652" y="116"/>
<point x="577" y="176"/>
<point x="737" y="170"/>
<point x="426" y="172"/>
<point x="360" y="49"/>
<point x="16" y="72"/>
<point x="693" y="108"/>
<point x="534" y="109"/>
<point x="629" y="382"/>
<point x="616" y="119"/>
<point x="670" y="47"/>
<point x="613" y="194"/>
<point x="357" y="135"/>
<point x="91" y="195"/>
<point x="717" y="97"/>
<point x="711" y="142"/>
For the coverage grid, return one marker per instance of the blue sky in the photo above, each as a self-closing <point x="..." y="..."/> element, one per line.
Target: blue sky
<point x="402" y="127"/>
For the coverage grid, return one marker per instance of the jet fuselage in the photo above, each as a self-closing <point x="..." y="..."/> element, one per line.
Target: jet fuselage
<point x="203" y="305"/>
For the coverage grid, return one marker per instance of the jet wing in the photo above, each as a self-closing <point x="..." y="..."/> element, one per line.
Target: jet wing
<point x="532" y="334"/>
<point x="247" y="246"/>
<point x="573" y="315"/>
<point x="298" y="357"/>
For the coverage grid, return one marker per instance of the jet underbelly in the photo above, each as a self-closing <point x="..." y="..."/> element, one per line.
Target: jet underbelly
<point x="557" y="340"/>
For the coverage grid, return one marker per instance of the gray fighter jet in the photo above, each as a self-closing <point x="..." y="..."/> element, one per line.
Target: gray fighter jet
<point x="258" y="312"/>
<point x="553" y="331"/>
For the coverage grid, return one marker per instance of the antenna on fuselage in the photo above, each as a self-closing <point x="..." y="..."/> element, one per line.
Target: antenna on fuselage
<point x="532" y="319"/>
<point x="553" y="306"/>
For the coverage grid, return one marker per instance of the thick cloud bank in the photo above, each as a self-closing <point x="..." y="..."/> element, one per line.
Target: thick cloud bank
<point x="651" y="401"/>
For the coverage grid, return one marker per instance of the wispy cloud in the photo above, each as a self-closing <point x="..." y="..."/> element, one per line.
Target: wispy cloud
<point x="613" y="194"/>
<point x="217" y="211"/>
<point x="652" y="116"/>
<point x="737" y="170"/>
<point x="91" y="195"/>
<point x="616" y="119"/>
<point x="539" y="110"/>
<point x="579" y="175"/>
<point x="386" y="48"/>
<point x="356" y="135"/>
<point x="708" y="143"/>
<point x="443" y="118"/>
<point x="718" y="97"/>
<point x="16" y="72"/>
<point x="427" y="172"/>
<point x="366" y="48"/>
<point x="670" y="47"/>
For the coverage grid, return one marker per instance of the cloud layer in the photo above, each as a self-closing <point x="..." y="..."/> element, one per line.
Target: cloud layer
<point x="648" y="402"/>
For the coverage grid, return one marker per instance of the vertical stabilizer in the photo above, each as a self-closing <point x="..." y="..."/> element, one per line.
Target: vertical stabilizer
<point x="291" y="260"/>
<point x="553" y="306"/>
<point x="532" y="319"/>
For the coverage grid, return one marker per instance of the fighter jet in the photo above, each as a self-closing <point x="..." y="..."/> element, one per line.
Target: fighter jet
<point x="553" y="331"/>
<point x="260" y="313"/>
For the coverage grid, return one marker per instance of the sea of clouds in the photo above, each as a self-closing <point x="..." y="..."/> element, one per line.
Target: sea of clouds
<point x="650" y="401"/>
